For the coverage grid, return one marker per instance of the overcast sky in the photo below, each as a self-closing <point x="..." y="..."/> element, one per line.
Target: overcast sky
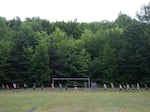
<point x="58" y="10"/>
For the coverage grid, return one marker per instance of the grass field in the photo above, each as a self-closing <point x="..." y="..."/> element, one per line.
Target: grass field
<point x="74" y="101"/>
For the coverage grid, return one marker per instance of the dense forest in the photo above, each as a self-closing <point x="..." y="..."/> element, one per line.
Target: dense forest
<point x="35" y="50"/>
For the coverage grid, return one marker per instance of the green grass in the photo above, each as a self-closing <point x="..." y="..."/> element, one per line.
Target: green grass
<point x="75" y="101"/>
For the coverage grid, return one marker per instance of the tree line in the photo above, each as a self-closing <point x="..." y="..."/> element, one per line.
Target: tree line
<point x="35" y="50"/>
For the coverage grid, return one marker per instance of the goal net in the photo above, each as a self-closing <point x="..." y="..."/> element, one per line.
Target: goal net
<point x="71" y="79"/>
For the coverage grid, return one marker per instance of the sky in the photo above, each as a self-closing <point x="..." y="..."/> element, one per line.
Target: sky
<point x="68" y="10"/>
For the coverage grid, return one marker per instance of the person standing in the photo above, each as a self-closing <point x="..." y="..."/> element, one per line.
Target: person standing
<point x="85" y="86"/>
<point x="34" y="86"/>
<point x="146" y="87"/>
<point x="138" y="86"/>
<point x="124" y="87"/>
<point x="112" y="86"/>
<point x="14" y="86"/>
<point x="18" y="86"/>
<point x="75" y="86"/>
<point x="66" y="86"/>
<point x="128" y="87"/>
<point x="3" y="87"/>
<point x="25" y="87"/>
<point x="52" y="86"/>
<point x="60" y="86"/>
<point x="132" y="85"/>
<point x="105" y="87"/>
<point x="42" y="87"/>
<point x="7" y="87"/>
<point x="120" y="87"/>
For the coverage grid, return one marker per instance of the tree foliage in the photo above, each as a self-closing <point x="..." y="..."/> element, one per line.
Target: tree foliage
<point x="35" y="50"/>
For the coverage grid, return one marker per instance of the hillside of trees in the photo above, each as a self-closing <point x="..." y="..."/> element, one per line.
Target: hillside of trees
<point x="35" y="50"/>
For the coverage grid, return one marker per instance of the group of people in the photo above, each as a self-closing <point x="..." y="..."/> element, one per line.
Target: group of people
<point x="126" y="87"/>
<point x="17" y="86"/>
<point x="93" y="86"/>
<point x="34" y="87"/>
<point x="121" y="87"/>
<point x="75" y="86"/>
<point x="5" y="87"/>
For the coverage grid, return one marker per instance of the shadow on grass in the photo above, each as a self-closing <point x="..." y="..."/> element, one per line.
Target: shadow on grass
<point x="33" y="108"/>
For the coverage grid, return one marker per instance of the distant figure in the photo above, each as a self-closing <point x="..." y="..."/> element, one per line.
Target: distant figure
<point x="14" y="86"/>
<point x="146" y="87"/>
<point x="75" y="86"/>
<point x="112" y="86"/>
<point x="34" y="86"/>
<point x="60" y="86"/>
<point x="94" y="86"/>
<point x="105" y="86"/>
<point x="124" y="87"/>
<point x="120" y="87"/>
<point x="66" y="87"/>
<point x="132" y="85"/>
<point x="18" y="86"/>
<point x="138" y="86"/>
<point x="52" y="86"/>
<point x="42" y="87"/>
<point x="85" y="85"/>
<point x="3" y="87"/>
<point x="128" y="87"/>
<point x="7" y="87"/>
<point x="25" y="86"/>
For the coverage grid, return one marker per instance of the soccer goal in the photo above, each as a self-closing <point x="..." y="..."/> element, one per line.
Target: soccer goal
<point x="72" y="79"/>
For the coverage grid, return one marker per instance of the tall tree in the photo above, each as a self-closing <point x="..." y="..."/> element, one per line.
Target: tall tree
<point x="144" y="14"/>
<point x="108" y="63"/>
<point x="39" y="69"/>
<point x="5" y="49"/>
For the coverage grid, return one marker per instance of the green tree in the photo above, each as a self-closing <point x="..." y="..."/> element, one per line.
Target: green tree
<point x="5" y="49"/>
<point x="123" y="20"/>
<point x="108" y="63"/>
<point x="39" y="69"/>
<point x="5" y="31"/>
<point x="132" y="54"/>
<point x="144" y="14"/>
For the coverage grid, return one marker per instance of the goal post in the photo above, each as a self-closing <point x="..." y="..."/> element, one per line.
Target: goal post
<point x="72" y="79"/>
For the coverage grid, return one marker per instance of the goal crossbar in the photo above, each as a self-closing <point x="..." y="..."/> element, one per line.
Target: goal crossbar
<point x="87" y="79"/>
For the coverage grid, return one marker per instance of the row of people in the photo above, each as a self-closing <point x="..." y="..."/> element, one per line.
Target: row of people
<point x="126" y="87"/>
<point x="17" y="86"/>
<point x="93" y="86"/>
